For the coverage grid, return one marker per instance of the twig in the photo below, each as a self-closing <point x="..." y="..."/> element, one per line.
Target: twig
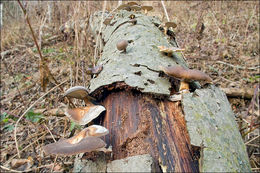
<point x="54" y="163"/>
<point x="8" y="169"/>
<point x="50" y="132"/>
<point x="15" y="129"/>
<point x="165" y="11"/>
<point x="252" y="140"/>
<point x="237" y="66"/>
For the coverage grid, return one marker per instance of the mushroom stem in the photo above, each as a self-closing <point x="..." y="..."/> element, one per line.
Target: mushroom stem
<point x="184" y="87"/>
<point x="165" y="30"/>
<point x="145" y="11"/>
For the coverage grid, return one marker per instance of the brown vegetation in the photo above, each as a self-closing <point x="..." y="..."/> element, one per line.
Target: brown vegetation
<point x="219" y="38"/>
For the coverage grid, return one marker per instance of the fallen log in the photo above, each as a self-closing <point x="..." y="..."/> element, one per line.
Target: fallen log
<point x="197" y="134"/>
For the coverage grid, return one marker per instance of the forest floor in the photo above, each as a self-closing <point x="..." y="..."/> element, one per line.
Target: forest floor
<point x="219" y="38"/>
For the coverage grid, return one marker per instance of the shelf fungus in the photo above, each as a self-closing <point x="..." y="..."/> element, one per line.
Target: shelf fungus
<point x="84" y="115"/>
<point x="169" y="50"/>
<point x="79" y="92"/>
<point x="146" y="9"/>
<point x="167" y="26"/>
<point x="87" y="140"/>
<point x="121" y="45"/>
<point x="95" y="70"/>
<point x="185" y="75"/>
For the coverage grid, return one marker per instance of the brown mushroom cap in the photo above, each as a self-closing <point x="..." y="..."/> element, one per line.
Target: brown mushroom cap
<point x="132" y="3"/>
<point x="122" y="6"/>
<point x="107" y="20"/>
<point x="78" y="92"/>
<point x="185" y="74"/>
<point x="84" y="115"/>
<point x="148" y="8"/>
<point x="65" y="147"/>
<point x="170" y="24"/>
<point x="122" y="44"/>
<point x="135" y="8"/>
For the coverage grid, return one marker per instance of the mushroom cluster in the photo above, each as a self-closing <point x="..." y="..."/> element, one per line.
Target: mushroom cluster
<point x="88" y="139"/>
<point x="185" y="75"/>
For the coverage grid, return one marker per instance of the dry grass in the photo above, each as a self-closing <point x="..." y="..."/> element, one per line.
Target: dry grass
<point x="231" y="35"/>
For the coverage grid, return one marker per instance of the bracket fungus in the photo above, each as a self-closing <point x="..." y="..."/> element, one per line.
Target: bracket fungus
<point x="135" y="8"/>
<point x="132" y="3"/>
<point x="168" y="25"/>
<point x="65" y="147"/>
<point x="169" y="50"/>
<point x="146" y="9"/>
<point x="83" y="116"/>
<point x="185" y="75"/>
<point x="79" y="92"/>
<point x="95" y="70"/>
<point x="121" y="45"/>
<point x="85" y="141"/>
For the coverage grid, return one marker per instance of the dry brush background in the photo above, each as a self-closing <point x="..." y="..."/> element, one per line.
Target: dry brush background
<point x="219" y="38"/>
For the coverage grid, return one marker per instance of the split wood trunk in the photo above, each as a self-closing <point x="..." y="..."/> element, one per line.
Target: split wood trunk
<point x="139" y="116"/>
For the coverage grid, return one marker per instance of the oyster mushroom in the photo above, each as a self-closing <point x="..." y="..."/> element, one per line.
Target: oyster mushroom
<point x="135" y="8"/>
<point x="95" y="70"/>
<point x="169" y="50"/>
<point x="132" y="3"/>
<point x="67" y="147"/>
<point x="168" y="25"/>
<point x="185" y="75"/>
<point x="124" y="7"/>
<point x="93" y="130"/>
<point x="79" y="92"/>
<point x="83" y="116"/>
<point x="146" y="9"/>
<point x="121" y="45"/>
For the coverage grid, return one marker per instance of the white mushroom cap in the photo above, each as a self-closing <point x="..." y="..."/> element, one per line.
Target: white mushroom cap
<point x="97" y="130"/>
<point x="78" y="92"/>
<point x="84" y="115"/>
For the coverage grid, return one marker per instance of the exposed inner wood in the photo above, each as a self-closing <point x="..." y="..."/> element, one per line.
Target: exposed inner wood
<point x="140" y="124"/>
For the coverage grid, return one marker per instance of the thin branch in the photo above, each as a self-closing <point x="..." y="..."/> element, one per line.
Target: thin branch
<point x="165" y="11"/>
<point x="238" y="67"/>
<point x="15" y="129"/>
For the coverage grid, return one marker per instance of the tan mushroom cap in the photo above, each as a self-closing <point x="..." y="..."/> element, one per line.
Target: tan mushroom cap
<point x="78" y="92"/>
<point x="185" y="74"/>
<point x="169" y="50"/>
<point x="65" y="147"/>
<point x="147" y="8"/>
<point x="122" y="6"/>
<point x="84" y="115"/>
<point x="132" y="3"/>
<point x="135" y="8"/>
<point x="170" y="24"/>
<point x="107" y="20"/>
<point x="122" y="44"/>
<point x="93" y="130"/>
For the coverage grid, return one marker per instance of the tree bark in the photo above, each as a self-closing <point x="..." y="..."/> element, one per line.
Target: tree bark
<point x="139" y="117"/>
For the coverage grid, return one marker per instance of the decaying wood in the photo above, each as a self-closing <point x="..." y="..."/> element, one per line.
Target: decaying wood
<point x="140" y="124"/>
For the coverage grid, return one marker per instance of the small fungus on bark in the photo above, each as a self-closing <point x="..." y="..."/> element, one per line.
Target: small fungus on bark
<point x="185" y="75"/>
<point x="121" y="45"/>
<point x="83" y="116"/>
